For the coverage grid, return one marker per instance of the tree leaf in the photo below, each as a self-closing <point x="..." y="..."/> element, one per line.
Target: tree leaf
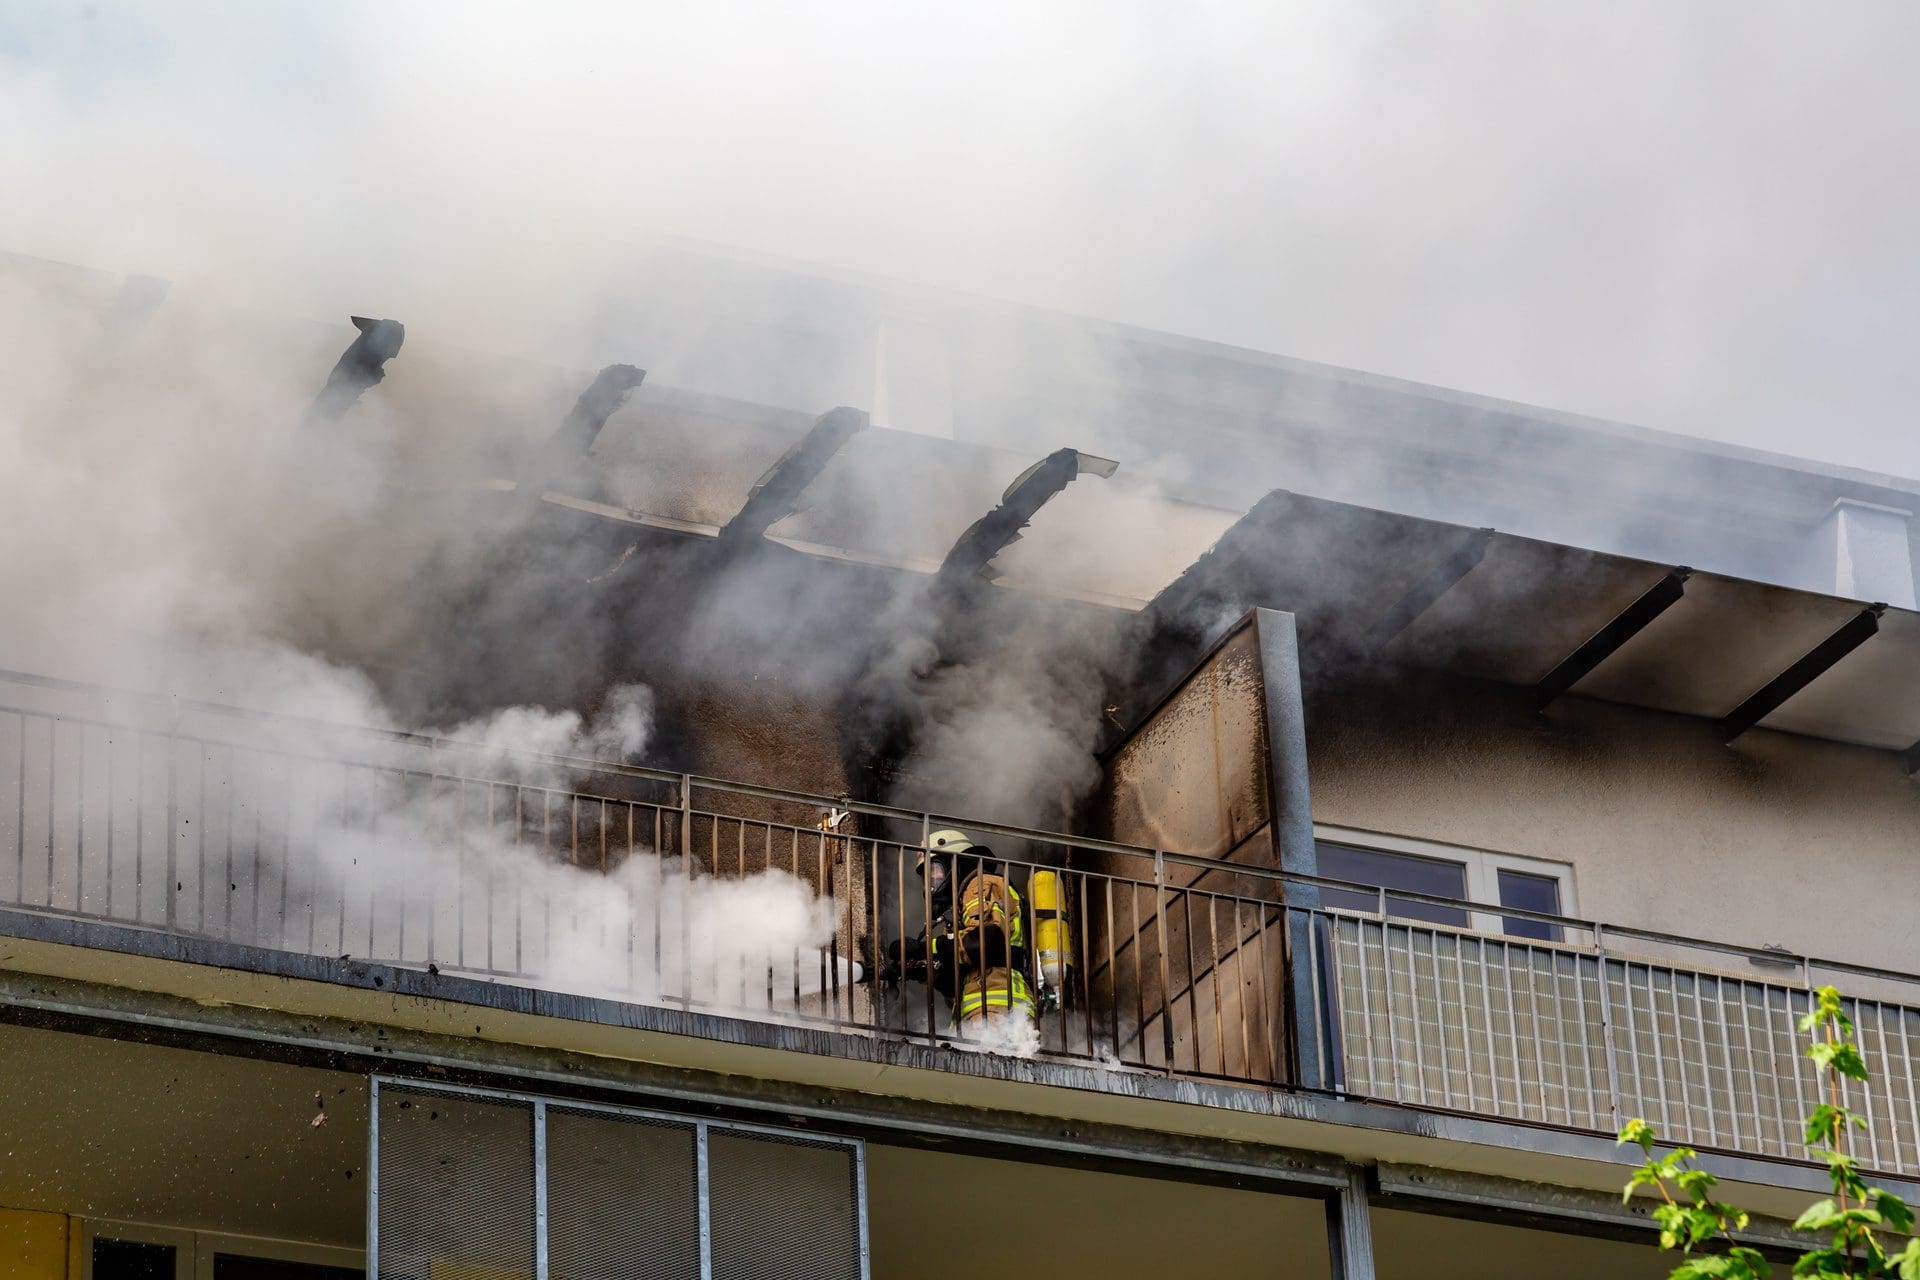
<point x="1638" y="1132"/>
<point x="1820" y="1215"/>
<point x="1893" y="1209"/>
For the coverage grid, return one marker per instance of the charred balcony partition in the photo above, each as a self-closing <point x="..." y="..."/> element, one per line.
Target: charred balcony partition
<point x="769" y="906"/>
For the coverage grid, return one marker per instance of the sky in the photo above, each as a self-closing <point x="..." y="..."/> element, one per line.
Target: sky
<point x="1698" y="217"/>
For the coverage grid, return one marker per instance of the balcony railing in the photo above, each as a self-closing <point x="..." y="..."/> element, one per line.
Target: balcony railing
<point x="701" y="894"/>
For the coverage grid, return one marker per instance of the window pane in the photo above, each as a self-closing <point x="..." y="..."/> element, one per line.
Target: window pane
<point x="1530" y="893"/>
<point x="131" y="1260"/>
<point x="1393" y="871"/>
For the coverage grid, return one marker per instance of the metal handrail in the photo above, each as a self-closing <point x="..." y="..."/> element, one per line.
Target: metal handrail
<point x="591" y="766"/>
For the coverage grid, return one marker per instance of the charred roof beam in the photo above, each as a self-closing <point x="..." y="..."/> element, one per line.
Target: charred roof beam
<point x="360" y="367"/>
<point x="1804" y="672"/>
<point x="563" y="458"/>
<point x="1608" y="640"/>
<point x="1000" y="528"/>
<point x="776" y="495"/>
<point x="1439" y="580"/>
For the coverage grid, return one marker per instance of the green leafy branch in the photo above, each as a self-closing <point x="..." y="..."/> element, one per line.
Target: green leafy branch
<point x="1703" y="1228"/>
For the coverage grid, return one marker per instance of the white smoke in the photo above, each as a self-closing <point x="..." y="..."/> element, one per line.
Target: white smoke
<point x="1012" y="1035"/>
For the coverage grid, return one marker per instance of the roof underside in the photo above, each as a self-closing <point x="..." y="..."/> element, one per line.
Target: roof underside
<point x="1489" y="605"/>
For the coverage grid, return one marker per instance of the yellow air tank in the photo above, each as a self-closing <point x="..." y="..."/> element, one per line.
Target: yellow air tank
<point x="1052" y="942"/>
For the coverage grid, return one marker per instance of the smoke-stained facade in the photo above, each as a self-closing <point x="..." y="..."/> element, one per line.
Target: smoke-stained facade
<point x="1380" y="738"/>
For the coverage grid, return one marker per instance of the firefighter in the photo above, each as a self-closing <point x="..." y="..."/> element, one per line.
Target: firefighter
<point x="974" y="947"/>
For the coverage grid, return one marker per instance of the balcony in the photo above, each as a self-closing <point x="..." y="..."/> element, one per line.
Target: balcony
<point x="713" y="897"/>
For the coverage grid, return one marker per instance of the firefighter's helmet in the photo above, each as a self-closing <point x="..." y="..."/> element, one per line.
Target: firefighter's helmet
<point x="942" y="843"/>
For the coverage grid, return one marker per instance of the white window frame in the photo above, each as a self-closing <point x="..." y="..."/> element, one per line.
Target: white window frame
<point x="1483" y="868"/>
<point x="194" y="1251"/>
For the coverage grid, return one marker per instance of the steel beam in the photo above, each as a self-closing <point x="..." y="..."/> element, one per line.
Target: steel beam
<point x="1803" y="673"/>
<point x="1605" y="642"/>
<point x="1439" y="580"/>
<point x="1350" y="1229"/>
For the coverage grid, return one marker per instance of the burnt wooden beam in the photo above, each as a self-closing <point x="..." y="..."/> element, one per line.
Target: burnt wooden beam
<point x="360" y="367"/>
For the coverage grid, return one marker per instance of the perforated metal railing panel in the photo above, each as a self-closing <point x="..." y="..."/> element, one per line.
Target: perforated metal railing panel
<point x="456" y="1186"/>
<point x="476" y="1185"/>
<point x="623" y="1197"/>
<point x="782" y="1207"/>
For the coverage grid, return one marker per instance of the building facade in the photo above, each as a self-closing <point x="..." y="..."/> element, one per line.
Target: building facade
<point x="1434" y="785"/>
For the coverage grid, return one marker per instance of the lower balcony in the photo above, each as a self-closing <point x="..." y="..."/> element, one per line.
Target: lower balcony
<point x="707" y="896"/>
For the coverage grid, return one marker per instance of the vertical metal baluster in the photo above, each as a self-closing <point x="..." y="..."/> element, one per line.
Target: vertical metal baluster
<point x="626" y="889"/>
<point x="1513" y="1029"/>
<point x="1440" y="1007"/>
<point x="259" y="842"/>
<point x="686" y="894"/>
<point x="793" y="839"/>
<point x="1272" y="1014"/>
<point x="1560" y="1039"/>
<point x="1603" y="1000"/>
<point x="1782" y="1114"/>
<point x="493" y="834"/>
<point x="1460" y="944"/>
<point x="1486" y="1022"/>
<point x="1419" y="1039"/>
<point x="1659" y="1054"/>
<point x="1219" y="1018"/>
<point x="1753" y="1074"/>
<point x="881" y="1002"/>
<point x="139" y="819"/>
<point x="1726" y="1053"/>
<point x="1193" y="977"/>
<point x="1886" y="1077"/>
<point x="20" y="819"/>
<point x="173" y="818"/>
<point x="1903" y="1165"/>
<point x="107" y="906"/>
<point x="1533" y="1029"/>
<point x="519" y="894"/>
<point x="926" y="922"/>
<point x="1866" y="1087"/>
<point x="1793" y="1037"/>
<point x="1113" y="976"/>
<point x="1166" y="976"/>
<point x="1139" y="971"/>
<point x="80" y="832"/>
<point x="1240" y="996"/>
<point x="658" y="978"/>
<point x="1706" y="1062"/>
<point x="830" y="959"/>
<point x="1360" y="949"/>
<point x="226" y="894"/>
<point x="53" y="804"/>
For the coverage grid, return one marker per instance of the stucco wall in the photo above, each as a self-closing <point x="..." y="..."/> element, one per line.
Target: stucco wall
<point x="1776" y="839"/>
